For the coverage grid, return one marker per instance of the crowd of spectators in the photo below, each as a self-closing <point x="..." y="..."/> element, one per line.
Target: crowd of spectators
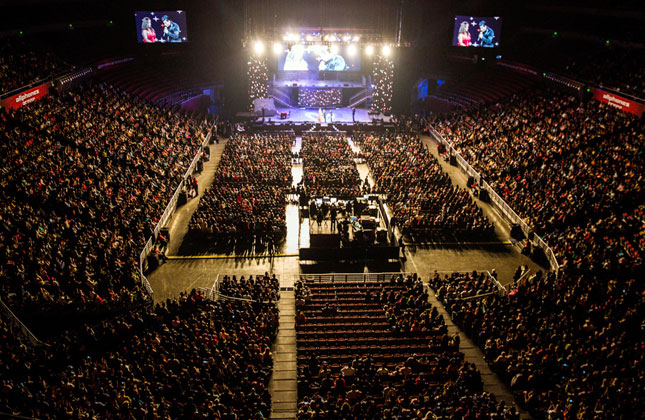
<point x="425" y="203"/>
<point x="188" y="358"/>
<point x="262" y="288"/>
<point x="434" y="384"/>
<point x="248" y="195"/>
<point x="85" y="177"/>
<point x="573" y="169"/>
<point x="21" y="64"/>
<point x="562" y="164"/>
<point x="569" y="347"/>
<point x="329" y="167"/>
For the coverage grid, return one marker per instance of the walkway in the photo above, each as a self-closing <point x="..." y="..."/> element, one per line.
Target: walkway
<point x="179" y="221"/>
<point x="283" y="385"/>
<point x="472" y="354"/>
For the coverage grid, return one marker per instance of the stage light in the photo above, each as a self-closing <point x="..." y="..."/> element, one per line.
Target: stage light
<point x="277" y="48"/>
<point x="309" y="38"/>
<point x="258" y="47"/>
<point x="356" y="38"/>
<point x="386" y="51"/>
<point x="369" y="50"/>
<point x="347" y="38"/>
<point x="351" y="50"/>
<point x="334" y="49"/>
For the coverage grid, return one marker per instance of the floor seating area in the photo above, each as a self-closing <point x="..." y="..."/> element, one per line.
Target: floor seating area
<point x="380" y="350"/>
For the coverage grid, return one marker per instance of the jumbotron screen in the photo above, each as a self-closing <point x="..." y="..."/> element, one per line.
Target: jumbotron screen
<point x="161" y="26"/>
<point x="477" y="31"/>
<point x="300" y="57"/>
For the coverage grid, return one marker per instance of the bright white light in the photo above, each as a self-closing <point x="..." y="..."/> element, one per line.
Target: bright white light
<point x="356" y="38"/>
<point x="386" y="50"/>
<point x="346" y="38"/>
<point x="258" y="47"/>
<point x="369" y="50"/>
<point x="309" y="38"/>
<point x="277" y="48"/>
<point x="351" y="50"/>
<point x="334" y="49"/>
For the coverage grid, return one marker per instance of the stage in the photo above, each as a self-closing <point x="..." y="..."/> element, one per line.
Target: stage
<point x="341" y="115"/>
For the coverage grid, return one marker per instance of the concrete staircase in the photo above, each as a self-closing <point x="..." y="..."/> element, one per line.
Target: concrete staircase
<point x="283" y="384"/>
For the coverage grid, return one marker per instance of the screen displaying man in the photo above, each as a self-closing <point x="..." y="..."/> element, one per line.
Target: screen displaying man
<point x="486" y="35"/>
<point x="171" y="30"/>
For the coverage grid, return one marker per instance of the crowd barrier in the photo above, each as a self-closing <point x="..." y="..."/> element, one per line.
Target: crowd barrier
<point x="213" y="293"/>
<point x="503" y="208"/>
<point x="167" y="214"/>
<point x="350" y="277"/>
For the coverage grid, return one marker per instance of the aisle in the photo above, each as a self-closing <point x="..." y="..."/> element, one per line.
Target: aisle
<point x="179" y="221"/>
<point x="283" y="385"/>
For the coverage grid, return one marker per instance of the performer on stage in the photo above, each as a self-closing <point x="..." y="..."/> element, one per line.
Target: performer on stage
<point x="147" y="31"/>
<point x="170" y="31"/>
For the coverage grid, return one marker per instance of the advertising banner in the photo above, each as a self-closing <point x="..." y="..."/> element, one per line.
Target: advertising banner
<point x="28" y="96"/>
<point x="619" y="102"/>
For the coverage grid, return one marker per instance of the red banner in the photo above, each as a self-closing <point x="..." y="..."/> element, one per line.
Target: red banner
<point x="26" y="97"/>
<point x="619" y="102"/>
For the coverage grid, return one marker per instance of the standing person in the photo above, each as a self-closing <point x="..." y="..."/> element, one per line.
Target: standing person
<point x="354" y="114"/>
<point x="170" y="30"/>
<point x="333" y="215"/>
<point x="402" y="247"/>
<point x="148" y="33"/>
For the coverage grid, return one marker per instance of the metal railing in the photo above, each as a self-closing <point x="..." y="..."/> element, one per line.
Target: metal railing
<point x="167" y="214"/>
<point x="361" y="96"/>
<point x="505" y="210"/>
<point x="47" y="79"/>
<point x="501" y="290"/>
<point x="350" y="277"/>
<point x="17" y="322"/>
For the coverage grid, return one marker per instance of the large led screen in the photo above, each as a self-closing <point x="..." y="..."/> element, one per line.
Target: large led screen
<point x="161" y="26"/>
<point x="477" y="31"/>
<point x="300" y="57"/>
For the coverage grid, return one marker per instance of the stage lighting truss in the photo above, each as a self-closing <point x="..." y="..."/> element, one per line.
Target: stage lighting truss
<point x="351" y="43"/>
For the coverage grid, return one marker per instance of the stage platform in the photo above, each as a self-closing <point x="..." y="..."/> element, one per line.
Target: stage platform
<point x="341" y="115"/>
